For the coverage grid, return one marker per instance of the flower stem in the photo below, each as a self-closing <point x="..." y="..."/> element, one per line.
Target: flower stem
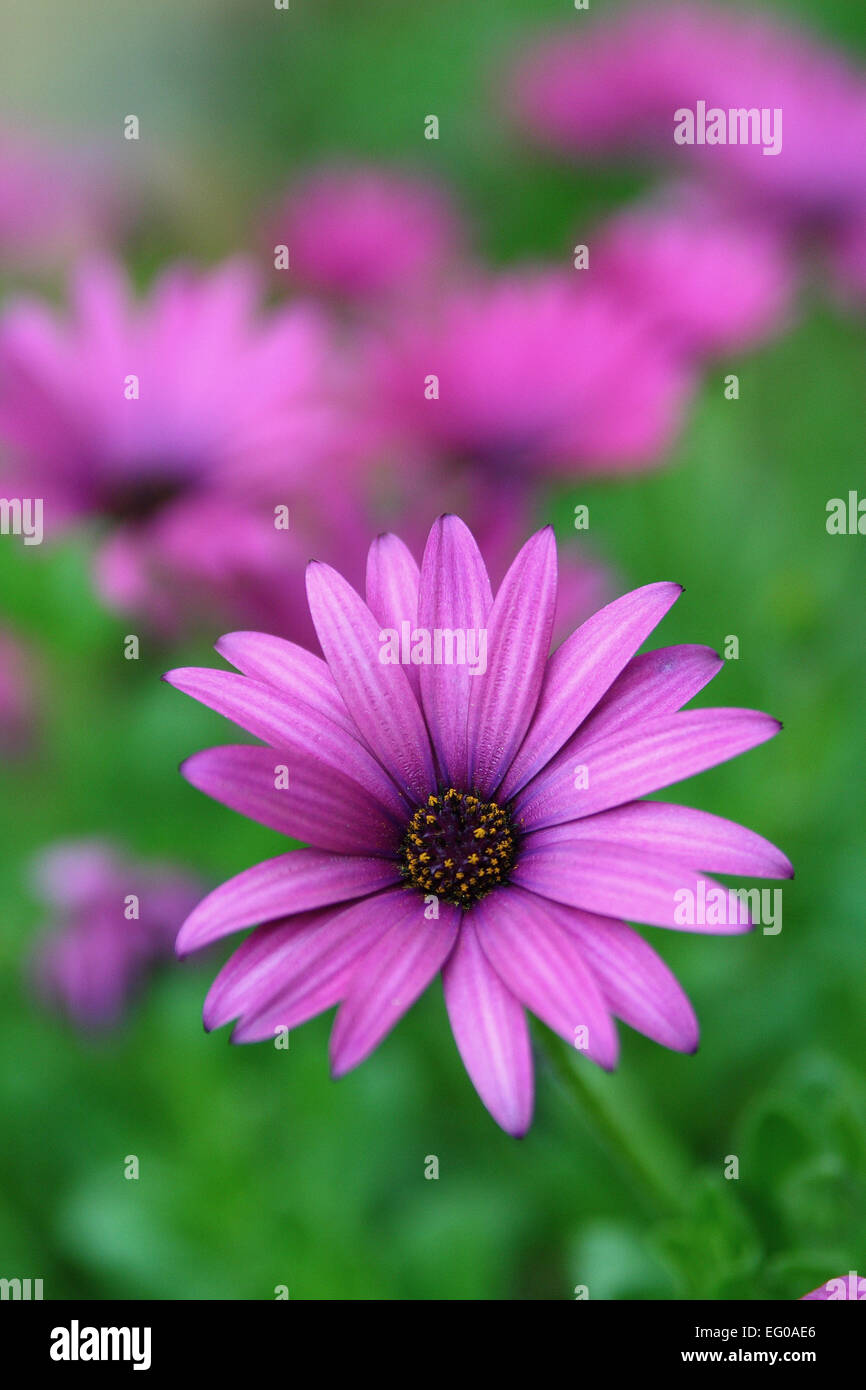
<point x="652" y="1162"/>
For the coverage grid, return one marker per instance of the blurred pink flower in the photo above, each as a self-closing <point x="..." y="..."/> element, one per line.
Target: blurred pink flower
<point x="713" y="280"/>
<point x="169" y="418"/>
<point x="614" y="86"/>
<point x="55" y="203"/>
<point x="363" y="232"/>
<point x="534" y="375"/>
<point x="227" y="400"/>
<point x="97" y="952"/>
<point x="213" y="556"/>
<point x="17" y="697"/>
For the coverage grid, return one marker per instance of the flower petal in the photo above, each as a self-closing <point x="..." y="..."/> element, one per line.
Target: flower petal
<point x="542" y="965"/>
<point x="296" y="673"/>
<point x="652" y="684"/>
<point x="393" y="580"/>
<point x="582" y="669"/>
<point x="491" y="1033"/>
<point x="269" y="715"/>
<point x="279" y="887"/>
<point x="637" y="760"/>
<point x="285" y="965"/>
<point x="392" y="976"/>
<point x="378" y="696"/>
<point x="680" y="833"/>
<point x="519" y="630"/>
<point x="637" y="985"/>
<point x="264" y="962"/>
<point x="318" y="804"/>
<point x="455" y="596"/>
<point x="612" y="881"/>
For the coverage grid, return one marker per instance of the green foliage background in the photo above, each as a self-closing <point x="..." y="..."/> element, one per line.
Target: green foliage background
<point x="256" y="1170"/>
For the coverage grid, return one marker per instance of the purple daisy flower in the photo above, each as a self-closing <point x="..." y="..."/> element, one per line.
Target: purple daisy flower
<point x="447" y="828"/>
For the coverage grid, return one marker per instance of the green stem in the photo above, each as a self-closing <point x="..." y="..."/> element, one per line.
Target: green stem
<point x="649" y="1158"/>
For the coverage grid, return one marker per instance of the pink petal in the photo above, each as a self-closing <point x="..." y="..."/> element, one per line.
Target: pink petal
<point x="296" y="673"/>
<point x="262" y="711"/>
<point x="582" y="669"/>
<point x="542" y="965"/>
<point x="394" y="973"/>
<point x="455" y="595"/>
<point x="293" y="882"/>
<point x="378" y="696"/>
<point x="696" y="838"/>
<point x="652" y="684"/>
<point x="284" y="964"/>
<point x="519" y="630"/>
<point x="393" y="579"/>
<point x="613" y="881"/>
<point x="264" y="963"/>
<point x="637" y="985"/>
<point x="637" y="760"/>
<point x="320" y="805"/>
<point x="490" y="1030"/>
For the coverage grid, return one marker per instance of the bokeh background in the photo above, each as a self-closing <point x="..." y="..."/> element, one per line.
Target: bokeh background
<point x="255" y="1169"/>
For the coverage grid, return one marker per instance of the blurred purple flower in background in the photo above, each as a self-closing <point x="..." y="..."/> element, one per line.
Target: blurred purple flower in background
<point x="614" y="86"/>
<point x="365" y="233"/>
<point x="115" y="920"/>
<point x="535" y="376"/>
<point x="714" y="280"/>
<point x="447" y="831"/>
<point x="180" y="422"/>
<point x="213" y="555"/>
<point x="227" y="399"/>
<point x="17" y="697"/>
